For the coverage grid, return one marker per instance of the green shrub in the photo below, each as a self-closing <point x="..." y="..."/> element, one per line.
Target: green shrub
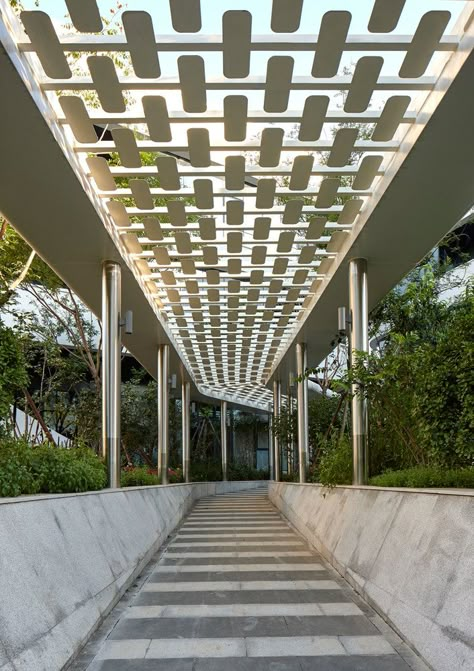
<point x="335" y="466"/>
<point x="421" y="477"/>
<point x="244" y="472"/>
<point x="15" y="474"/>
<point x="210" y="471"/>
<point x="290" y="477"/>
<point x="59" y="469"/>
<point x="175" y="475"/>
<point x="140" y="476"/>
<point x="27" y="469"/>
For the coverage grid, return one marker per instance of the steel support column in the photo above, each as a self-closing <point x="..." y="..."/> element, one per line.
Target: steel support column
<point x="302" y="409"/>
<point x="163" y="401"/>
<point x="186" y="427"/>
<point x="276" y="413"/>
<point x="358" y="297"/>
<point x="271" y="452"/>
<point x="224" y="438"/>
<point x="291" y="437"/>
<point x="111" y="372"/>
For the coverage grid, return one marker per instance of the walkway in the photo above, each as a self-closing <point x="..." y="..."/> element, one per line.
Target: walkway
<point x="238" y="590"/>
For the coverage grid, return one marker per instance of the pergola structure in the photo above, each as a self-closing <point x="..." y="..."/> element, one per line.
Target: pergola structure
<point x="221" y="169"/>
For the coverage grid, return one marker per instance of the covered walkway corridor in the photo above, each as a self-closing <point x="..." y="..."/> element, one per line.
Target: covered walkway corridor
<point x="236" y="589"/>
<point x="229" y="186"/>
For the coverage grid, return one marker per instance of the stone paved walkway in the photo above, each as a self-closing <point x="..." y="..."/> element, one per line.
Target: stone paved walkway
<point x="238" y="590"/>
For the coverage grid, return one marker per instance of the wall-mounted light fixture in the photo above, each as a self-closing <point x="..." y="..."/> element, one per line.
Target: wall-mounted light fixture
<point x="127" y="322"/>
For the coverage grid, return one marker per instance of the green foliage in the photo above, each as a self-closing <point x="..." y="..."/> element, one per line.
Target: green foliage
<point x="66" y="378"/>
<point x="335" y="465"/>
<point x="324" y="417"/>
<point x="67" y="470"/>
<point x="426" y="476"/>
<point x="290" y="477"/>
<point x="323" y="413"/>
<point x="14" y="257"/>
<point x="16" y="476"/>
<point x="13" y="375"/>
<point x="141" y="476"/>
<point x="285" y="428"/>
<point x="139" y="421"/>
<point x="421" y="386"/>
<point x="26" y="469"/>
<point x="444" y="395"/>
<point x="205" y="438"/>
<point x="245" y="472"/>
<point x="206" y="471"/>
<point x="175" y="475"/>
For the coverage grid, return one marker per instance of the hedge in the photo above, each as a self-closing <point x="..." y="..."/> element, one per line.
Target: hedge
<point x="45" y="469"/>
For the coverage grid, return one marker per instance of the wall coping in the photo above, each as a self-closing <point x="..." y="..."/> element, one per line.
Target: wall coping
<point x="469" y="493"/>
<point x="8" y="500"/>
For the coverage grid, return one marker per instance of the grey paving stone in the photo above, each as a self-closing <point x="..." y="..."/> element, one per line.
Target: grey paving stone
<point x="238" y="547"/>
<point x="244" y="596"/>
<point x="199" y="561"/>
<point x="256" y="533"/>
<point x="226" y="627"/>
<point x="243" y="537"/>
<point x="200" y="627"/>
<point x="240" y="575"/>
<point x="331" y="625"/>
<point x="143" y="665"/>
<point x="354" y="663"/>
<point x="350" y="663"/>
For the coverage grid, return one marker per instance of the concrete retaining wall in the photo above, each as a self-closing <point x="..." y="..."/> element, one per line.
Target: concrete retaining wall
<point x="65" y="560"/>
<point x="410" y="553"/>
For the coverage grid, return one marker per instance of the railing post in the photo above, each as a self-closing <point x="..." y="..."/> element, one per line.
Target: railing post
<point x="111" y="373"/>
<point x="358" y="303"/>
<point x="163" y="400"/>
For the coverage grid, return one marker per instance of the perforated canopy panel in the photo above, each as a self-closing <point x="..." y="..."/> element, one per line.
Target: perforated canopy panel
<point x="237" y="148"/>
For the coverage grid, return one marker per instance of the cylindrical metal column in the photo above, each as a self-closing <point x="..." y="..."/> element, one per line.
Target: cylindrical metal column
<point x="305" y="404"/>
<point x="290" y="435"/>
<point x="163" y="400"/>
<point x="271" y="452"/>
<point x="358" y="302"/>
<point x="276" y="413"/>
<point x="224" y="438"/>
<point x="111" y="373"/>
<point x="302" y="393"/>
<point x="186" y="427"/>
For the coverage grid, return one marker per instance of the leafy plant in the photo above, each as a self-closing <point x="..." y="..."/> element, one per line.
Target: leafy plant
<point x="59" y="469"/>
<point x="420" y="386"/>
<point x="16" y="476"/>
<point x="139" y="476"/>
<point x="13" y="374"/>
<point x="210" y="471"/>
<point x="245" y="472"/>
<point x="426" y="476"/>
<point x="335" y="465"/>
<point x="27" y="469"/>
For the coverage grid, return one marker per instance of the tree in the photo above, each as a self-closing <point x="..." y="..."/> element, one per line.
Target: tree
<point x="420" y="382"/>
<point x="13" y="373"/>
